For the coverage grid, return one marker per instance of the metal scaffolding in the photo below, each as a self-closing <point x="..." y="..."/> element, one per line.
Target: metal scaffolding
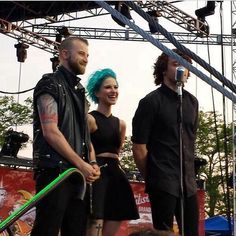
<point x="233" y="61"/>
<point x="41" y="32"/>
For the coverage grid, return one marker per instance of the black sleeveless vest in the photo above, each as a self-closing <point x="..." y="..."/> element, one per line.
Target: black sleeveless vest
<point x="69" y="94"/>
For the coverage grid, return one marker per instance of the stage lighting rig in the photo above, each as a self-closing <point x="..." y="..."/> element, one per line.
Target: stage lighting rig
<point x="62" y="32"/>
<point x="124" y="10"/>
<point x="13" y="141"/>
<point x="55" y="62"/>
<point x="198" y="163"/>
<point x="154" y="14"/>
<point x="208" y="10"/>
<point x="21" y="51"/>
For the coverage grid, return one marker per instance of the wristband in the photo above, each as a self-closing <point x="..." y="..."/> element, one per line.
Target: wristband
<point x="93" y="162"/>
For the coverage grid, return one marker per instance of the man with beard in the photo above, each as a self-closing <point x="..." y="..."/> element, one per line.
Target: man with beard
<point x="61" y="141"/>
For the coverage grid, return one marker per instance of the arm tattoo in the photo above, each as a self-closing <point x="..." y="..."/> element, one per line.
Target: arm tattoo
<point x="47" y="109"/>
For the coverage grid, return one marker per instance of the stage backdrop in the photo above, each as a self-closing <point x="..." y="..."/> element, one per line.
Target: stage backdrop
<point x="17" y="187"/>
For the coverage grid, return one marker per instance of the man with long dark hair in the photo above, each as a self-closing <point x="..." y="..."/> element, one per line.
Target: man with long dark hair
<point x="156" y="148"/>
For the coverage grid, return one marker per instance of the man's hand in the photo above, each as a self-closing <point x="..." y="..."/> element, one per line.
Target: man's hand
<point x="96" y="174"/>
<point x="90" y="172"/>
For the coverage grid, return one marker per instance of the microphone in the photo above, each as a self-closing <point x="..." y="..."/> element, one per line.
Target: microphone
<point x="180" y="78"/>
<point x="180" y="75"/>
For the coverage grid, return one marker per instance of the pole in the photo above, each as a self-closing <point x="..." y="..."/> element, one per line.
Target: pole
<point x="180" y="123"/>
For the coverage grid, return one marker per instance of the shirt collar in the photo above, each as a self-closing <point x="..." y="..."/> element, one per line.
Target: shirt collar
<point x="170" y="91"/>
<point x="70" y="77"/>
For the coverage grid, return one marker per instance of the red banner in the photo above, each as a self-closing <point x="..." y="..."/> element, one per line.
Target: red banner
<point x="201" y="203"/>
<point x="144" y="209"/>
<point x="17" y="187"/>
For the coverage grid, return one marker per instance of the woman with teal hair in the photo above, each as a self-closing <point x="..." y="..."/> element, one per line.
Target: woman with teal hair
<point x="111" y="196"/>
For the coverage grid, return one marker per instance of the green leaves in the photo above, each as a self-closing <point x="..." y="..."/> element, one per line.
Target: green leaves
<point x="13" y="113"/>
<point x="213" y="136"/>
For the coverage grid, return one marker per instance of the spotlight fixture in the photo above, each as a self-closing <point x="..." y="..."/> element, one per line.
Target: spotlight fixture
<point x="55" y="62"/>
<point x="58" y="38"/>
<point x="21" y="51"/>
<point x="198" y="163"/>
<point x="234" y="33"/>
<point x="208" y="10"/>
<point x="124" y="10"/>
<point x="64" y="31"/>
<point x="13" y="141"/>
<point x="154" y="14"/>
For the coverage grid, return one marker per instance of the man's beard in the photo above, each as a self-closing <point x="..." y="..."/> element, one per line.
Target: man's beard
<point x="75" y="67"/>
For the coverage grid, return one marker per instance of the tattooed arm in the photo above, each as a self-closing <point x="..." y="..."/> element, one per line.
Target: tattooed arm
<point x="48" y="113"/>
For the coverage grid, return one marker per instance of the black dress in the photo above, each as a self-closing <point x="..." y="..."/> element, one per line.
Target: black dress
<point x="112" y="196"/>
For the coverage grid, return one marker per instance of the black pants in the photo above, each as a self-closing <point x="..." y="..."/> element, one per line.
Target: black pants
<point x="165" y="206"/>
<point x="60" y="210"/>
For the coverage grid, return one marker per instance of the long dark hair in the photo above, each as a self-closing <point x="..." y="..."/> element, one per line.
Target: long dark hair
<point x="160" y="65"/>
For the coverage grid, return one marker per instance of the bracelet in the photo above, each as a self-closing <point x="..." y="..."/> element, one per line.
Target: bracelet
<point x="93" y="162"/>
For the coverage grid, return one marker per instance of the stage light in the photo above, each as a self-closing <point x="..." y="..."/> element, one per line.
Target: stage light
<point x="58" y="38"/>
<point x="154" y="14"/>
<point x="234" y="31"/>
<point x="64" y="31"/>
<point x="13" y="141"/>
<point x="124" y="10"/>
<point x="198" y="163"/>
<point x="55" y="62"/>
<point x="208" y="10"/>
<point x="21" y="51"/>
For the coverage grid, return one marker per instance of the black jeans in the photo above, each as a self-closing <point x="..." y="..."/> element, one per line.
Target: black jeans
<point x="60" y="210"/>
<point x="165" y="206"/>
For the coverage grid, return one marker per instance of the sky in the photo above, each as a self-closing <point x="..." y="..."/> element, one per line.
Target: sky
<point x="132" y="61"/>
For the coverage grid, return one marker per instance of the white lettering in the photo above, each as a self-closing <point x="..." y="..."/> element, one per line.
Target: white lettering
<point x="144" y="209"/>
<point x="139" y="199"/>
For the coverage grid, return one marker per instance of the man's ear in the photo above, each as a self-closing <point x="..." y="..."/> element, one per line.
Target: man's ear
<point x="65" y="54"/>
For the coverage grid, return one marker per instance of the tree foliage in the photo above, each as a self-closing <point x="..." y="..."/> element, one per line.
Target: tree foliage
<point x="127" y="161"/>
<point x="126" y="156"/>
<point x="13" y="114"/>
<point x="214" y="143"/>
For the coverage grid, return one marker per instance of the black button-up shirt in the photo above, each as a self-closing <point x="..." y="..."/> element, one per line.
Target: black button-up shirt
<point x="156" y="124"/>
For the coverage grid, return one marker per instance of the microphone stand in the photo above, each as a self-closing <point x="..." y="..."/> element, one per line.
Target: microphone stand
<point x="180" y="123"/>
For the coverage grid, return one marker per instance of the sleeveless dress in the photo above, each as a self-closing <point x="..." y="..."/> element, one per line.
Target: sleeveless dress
<point x="111" y="196"/>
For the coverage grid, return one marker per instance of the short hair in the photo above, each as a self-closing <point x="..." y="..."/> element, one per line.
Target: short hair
<point x="161" y="65"/>
<point x="67" y="43"/>
<point x="95" y="81"/>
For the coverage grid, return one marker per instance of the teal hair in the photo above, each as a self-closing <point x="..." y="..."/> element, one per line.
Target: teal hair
<point x="95" y="81"/>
